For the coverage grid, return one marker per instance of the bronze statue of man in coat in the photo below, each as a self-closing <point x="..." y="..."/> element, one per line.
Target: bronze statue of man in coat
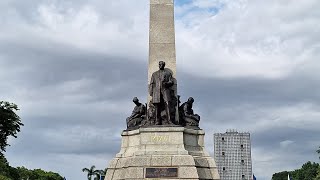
<point x="160" y="89"/>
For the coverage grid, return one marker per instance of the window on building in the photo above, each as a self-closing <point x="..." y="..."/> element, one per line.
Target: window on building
<point x="223" y="153"/>
<point x="241" y="146"/>
<point x="242" y="161"/>
<point x="243" y="176"/>
<point x="222" y="138"/>
<point x="224" y="168"/>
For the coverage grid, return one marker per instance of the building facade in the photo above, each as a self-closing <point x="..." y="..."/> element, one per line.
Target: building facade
<point x="232" y="153"/>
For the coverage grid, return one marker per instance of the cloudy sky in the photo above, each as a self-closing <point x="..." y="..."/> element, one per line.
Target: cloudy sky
<point x="73" y="67"/>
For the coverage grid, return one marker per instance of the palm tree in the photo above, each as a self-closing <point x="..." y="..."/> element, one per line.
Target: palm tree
<point x="99" y="173"/>
<point x="104" y="171"/>
<point x="90" y="171"/>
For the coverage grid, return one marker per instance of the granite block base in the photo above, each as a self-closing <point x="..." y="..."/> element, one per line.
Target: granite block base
<point x="162" y="153"/>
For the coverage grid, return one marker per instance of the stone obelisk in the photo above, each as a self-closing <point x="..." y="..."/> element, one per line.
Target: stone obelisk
<point x="162" y="37"/>
<point x="152" y="151"/>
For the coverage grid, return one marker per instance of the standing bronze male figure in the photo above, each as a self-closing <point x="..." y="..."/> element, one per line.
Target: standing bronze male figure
<point x="160" y="89"/>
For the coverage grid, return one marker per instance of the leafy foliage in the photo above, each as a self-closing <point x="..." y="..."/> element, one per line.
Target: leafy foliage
<point x="100" y="173"/>
<point x="21" y="173"/>
<point x="4" y="166"/>
<point x="2" y="177"/>
<point x="9" y="123"/>
<point x="92" y="172"/>
<point x="318" y="175"/>
<point x="280" y="175"/>
<point x="308" y="171"/>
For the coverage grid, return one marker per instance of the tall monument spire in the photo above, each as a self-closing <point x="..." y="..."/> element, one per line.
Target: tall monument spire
<point x="162" y="36"/>
<point x="160" y="142"/>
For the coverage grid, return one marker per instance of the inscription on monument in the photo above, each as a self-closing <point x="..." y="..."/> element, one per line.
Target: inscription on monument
<point x="161" y="172"/>
<point x="159" y="138"/>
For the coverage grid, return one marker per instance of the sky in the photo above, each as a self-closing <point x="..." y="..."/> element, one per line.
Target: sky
<point x="73" y="67"/>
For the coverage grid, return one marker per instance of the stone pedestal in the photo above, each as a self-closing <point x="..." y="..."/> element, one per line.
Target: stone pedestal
<point x="150" y="152"/>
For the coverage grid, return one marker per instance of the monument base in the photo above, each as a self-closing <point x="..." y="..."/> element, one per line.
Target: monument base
<point x="162" y="153"/>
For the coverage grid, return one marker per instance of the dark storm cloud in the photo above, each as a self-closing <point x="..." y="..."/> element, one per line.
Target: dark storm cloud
<point x="271" y="139"/>
<point x="246" y="100"/>
<point x="52" y="63"/>
<point x="60" y="123"/>
<point x="67" y="126"/>
<point x="69" y="140"/>
<point x="252" y="90"/>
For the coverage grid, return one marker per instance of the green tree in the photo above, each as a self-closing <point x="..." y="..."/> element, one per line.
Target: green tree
<point x="24" y="173"/>
<point x="9" y="123"/>
<point x="280" y="175"/>
<point x="21" y="173"/>
<point x="318" y="173"/>
<point x="4" y="166"/>
<point x="307" y="172"/>
<point x="91" y="172"/>
<point x="2" y="177"/>
<point x="6" y="170"/>
<point x="14" y="174"/>
<point x="39" y="174"/>
<point x="99" y="173"/>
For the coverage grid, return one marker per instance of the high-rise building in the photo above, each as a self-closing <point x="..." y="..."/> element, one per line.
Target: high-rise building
<point x="232" y="152"/>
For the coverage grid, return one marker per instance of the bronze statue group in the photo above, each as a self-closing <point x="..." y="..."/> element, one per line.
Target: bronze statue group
<point x="164" y="106"/>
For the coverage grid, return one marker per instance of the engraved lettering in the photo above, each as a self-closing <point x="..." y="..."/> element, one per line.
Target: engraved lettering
<point x="161" y="172"/>
<point x="154" y="138"/>
<point x="160" y="138"/>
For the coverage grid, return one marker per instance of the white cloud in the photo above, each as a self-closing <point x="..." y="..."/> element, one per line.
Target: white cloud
<point x="84" y="26"/>
<point x="263" y="39"/>
<point x="286" y="143"/>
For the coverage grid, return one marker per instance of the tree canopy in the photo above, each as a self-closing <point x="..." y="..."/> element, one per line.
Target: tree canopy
<point x="10" y="173"/>
<point x="10" y="123"/>
<point x="318" y="175"/>
<point x="308" y="171"/>
<point x="94" y="172"/>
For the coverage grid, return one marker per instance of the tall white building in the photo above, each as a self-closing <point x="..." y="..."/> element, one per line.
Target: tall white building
<point x="232" y="153"/>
